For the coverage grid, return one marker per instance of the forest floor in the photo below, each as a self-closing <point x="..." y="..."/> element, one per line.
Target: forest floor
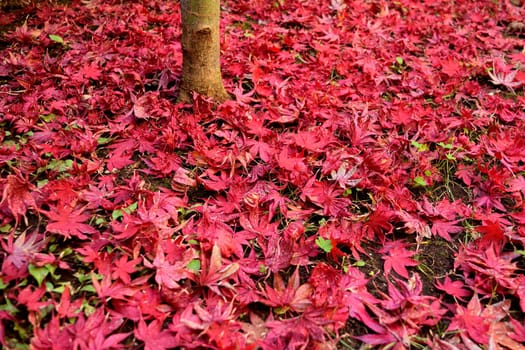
<point x="363" y="188"/>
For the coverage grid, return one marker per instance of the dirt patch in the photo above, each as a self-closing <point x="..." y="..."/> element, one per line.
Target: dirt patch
<point x="352" y="328"/>
<point x="436" y="261"/>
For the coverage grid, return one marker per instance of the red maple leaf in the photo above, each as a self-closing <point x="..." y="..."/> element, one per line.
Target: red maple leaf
<point x="492" y="234"/>
<point x="379" y="222"/>
<point x="123" y="267"/>
<point x="493" y="269"/>
<point x="32" y="298"/>
<point x="110" y="289"/>
<point x="154" y="337"/>
<point x="520" y="292"/>
<point x="150" y="106"/>
<point x="450" y="66"/>
<point x="294" y="296"/>
<point x="397" y="257"/>
<point x="314" y="140"/>
<point x="291" y="162"/>
<point x="326" y="195"/>
<point x="261" y="148"/>
<point x="215" y="319"/>
<point x="519" y="330"/>
<point x="471" y="320"/>
<point x="90" y="71"/>
<point x="357" y="297"/>
<point x="255" y="125"/>
<point x="68" y="222"/>
<point x="65" y="307"/>
<point x="415" y="224"/>
<point x="444" y="228"/>
<point x="214" y="272"/>
<point x="17" y="196"/>
<point x="54" y="335"/>
<point x="403" y="312"/>
<point x="121" y="153"/>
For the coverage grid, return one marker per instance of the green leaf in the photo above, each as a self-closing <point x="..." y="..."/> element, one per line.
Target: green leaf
<point x="2" y="284"/>
<point x="57" y="165"/>
<point x="421" y="147"/>
<point x="103" y="140"/>
<point x="56" y="38"/>
<point x="88" y="288"/>
<point x="400" y="60"/>
<point x="59" y="289"/>
<point x="49" y="286"/>
<point x="263" y="269"/>
<point x="194" y="265"/>
<point x="82" y="276"/>
<point x="100" y="221"/>
<point x="9" y="307"/>
<point x="6" y="228"/>
<point x="420" y="181"/>
<point x="324" y="244"/>
<point x="52" y="269"/>
<point x="131" y="208"/>
<point x="117" y="213"/>
<point x="445" y="145"/>
<point x="41" y="183"/>
<point x="359" y="263"/>
<point x="88" y="309"/>
<point x="38" y="273"/>
<point x="281" y="310"/>
<point x="23" y="333"/>
<point x="48" y="117"/>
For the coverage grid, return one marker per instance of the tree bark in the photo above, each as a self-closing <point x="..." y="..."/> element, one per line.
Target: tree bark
<point x="201" y="70"/>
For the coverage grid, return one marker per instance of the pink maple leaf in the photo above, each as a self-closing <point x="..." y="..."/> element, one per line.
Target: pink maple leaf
<point x="505" y="79"/>
<point x="454" y="288"/>
<point x="20" y="252"/>
<point x="477" y="321"/>
<point x="169" y="272"/>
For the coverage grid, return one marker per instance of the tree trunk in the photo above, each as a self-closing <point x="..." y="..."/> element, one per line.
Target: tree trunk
<point x="201" y="69"/>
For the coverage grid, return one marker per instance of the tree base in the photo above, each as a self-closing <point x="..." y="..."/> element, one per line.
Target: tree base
<point x="218" y="95"/>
